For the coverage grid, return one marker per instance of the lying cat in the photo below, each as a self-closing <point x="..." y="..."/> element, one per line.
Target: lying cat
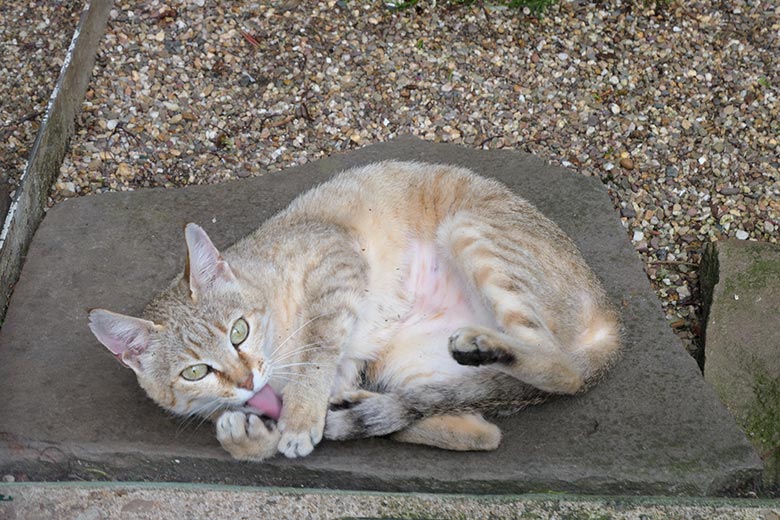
<point x="400" y="299"/>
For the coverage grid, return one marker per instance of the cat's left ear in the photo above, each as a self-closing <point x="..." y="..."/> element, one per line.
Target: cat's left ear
<point x="205" y="267"/>
<point x="126" y="337"/>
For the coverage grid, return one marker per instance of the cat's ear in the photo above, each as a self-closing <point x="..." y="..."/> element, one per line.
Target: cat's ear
<point x="205" y="267"/>
<point x="126" y="337"/>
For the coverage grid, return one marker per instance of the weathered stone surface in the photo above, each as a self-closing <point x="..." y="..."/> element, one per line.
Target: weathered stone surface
<point x="70" y="411"/>
<point x="742" y="349"/>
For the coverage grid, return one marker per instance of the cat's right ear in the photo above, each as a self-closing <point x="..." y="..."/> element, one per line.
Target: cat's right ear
<point x="205" y="267"/>
<point x="126" y="337"/>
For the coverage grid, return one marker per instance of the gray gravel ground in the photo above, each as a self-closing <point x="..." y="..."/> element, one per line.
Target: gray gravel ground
<point x="33" y="38"/>
<point x="674" y="106"/>
<point x="174" y="502"/>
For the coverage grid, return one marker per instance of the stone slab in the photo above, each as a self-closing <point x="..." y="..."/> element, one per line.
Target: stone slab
<point x="69" y="411"/>
<point x="79" y="500"/>
<point x="742" y="347"/>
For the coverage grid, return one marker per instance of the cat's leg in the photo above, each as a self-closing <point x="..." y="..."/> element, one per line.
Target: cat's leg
<point x="334" y="286"/>
<point x="555" y="332"/>
<point x="246" y="436"/>
<point x="531" y="359"/>
<point x="469" y="432"/>
<point x="305" y="398"/>
<point x="361" y="413"/>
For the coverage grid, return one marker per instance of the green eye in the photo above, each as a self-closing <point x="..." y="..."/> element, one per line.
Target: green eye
<point x="239" y="332"/>
<point x="195" y="372"/>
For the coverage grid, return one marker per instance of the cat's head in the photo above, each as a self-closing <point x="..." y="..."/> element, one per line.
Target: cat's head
<point x="201" y="346"/>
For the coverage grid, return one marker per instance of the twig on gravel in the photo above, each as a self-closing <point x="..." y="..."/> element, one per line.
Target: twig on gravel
<point x="487" y="140"/>
<point x="251" y="39"/>
<point x="27" y="117"/>
<point x="280" y="122"/>
<point x="487" y="17"/>
<point x="673" y="262"/>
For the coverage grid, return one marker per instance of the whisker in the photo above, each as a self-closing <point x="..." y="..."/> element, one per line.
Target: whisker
<point x="297" y="330"/>
<point x="293" y="374"/>
<point x="199" y="412"/>
<point x="300" y="349"/>
<point x="296" y="380"/>
<point x="302" y="364"/>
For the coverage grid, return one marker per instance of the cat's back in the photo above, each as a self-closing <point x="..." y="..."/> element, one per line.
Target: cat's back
<point x="410" y="196"/>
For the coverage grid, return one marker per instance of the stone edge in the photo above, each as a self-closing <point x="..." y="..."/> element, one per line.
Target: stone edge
<point x="27" y="209"/>
<point x="45" y="462"/>
<point x="621" y="500"/>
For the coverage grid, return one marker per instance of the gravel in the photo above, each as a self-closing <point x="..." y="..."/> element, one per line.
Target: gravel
<point x="33" y="38"/>
<point x="675" y="106"/>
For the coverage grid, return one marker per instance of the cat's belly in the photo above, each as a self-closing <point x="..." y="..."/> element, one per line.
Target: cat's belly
<point x="438" y="303"/>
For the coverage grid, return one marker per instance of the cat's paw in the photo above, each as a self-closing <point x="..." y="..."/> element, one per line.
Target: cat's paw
<point x="246" y="436"/>
<point x="360" y="413"/>
<point x="476" y="346"/>
<point x="300" y="441"/>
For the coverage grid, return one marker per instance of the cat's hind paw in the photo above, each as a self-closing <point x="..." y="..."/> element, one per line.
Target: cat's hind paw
<point x="361" y="413"/>
<point x="475" y="346"/>
<point x="246" y="436"/>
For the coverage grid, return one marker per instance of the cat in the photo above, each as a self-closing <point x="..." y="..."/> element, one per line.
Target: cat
<point x="400" y="298"/>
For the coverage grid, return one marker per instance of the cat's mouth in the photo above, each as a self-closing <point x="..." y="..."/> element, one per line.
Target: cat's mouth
<point x="267" y="402"/>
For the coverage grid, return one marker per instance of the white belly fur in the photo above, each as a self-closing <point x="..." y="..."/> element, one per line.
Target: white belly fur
<point x="413" y="348"/>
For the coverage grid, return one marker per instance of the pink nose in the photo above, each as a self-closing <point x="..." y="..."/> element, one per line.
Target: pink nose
<point x="248" y="384"/>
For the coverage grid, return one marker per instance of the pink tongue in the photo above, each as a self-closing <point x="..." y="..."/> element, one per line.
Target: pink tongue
<point x="267" y="402"/>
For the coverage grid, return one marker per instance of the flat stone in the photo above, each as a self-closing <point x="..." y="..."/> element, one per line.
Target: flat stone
<point x="742" y="342"/>
<point x="69" y="411"/>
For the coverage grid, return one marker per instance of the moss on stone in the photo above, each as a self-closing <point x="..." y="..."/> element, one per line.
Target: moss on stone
<point x="762" y="423"/>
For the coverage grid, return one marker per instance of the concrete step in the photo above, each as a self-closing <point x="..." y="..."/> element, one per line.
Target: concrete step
<point x="69" y="411"/>
<point x="85" y="501"/>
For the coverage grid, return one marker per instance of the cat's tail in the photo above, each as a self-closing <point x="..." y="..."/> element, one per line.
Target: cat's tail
<point x="370" y="414"/>
<point x="598" y="347"/>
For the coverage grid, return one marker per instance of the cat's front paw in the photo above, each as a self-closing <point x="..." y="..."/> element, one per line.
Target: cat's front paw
<point x="246" y="436"/>
<point x="300" y="439"/>
<point x="476" y="346"/>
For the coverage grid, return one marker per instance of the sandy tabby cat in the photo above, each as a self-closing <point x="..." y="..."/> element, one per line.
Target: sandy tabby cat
<point x="398" y="298"/>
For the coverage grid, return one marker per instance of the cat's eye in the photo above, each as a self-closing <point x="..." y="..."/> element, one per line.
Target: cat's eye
<point x="195" y="372"/>
<point x="239" y="332"/>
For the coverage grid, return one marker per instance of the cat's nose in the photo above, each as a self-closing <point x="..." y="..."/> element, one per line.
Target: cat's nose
<point x="249" y="383"/>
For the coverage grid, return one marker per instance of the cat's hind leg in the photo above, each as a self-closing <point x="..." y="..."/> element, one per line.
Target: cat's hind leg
<point x="554" y="330"/>
<point x="547" y="369"/>
<point x="405" y="413"/>
<point x="361" y="414"/>
<point x="468" y="432"/>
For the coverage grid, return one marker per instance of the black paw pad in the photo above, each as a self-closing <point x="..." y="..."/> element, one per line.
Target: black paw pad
<point x="475" y="357"/>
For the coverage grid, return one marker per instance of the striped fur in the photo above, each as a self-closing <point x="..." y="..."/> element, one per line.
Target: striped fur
<point x="400" y="299"/>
